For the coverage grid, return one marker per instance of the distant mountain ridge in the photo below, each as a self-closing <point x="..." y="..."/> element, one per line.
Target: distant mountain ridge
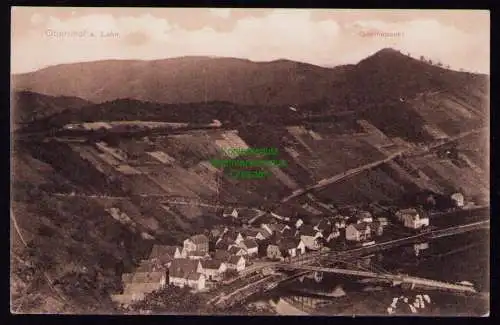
<point x="241" y="81"/>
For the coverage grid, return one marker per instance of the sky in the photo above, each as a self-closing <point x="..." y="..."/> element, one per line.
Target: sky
<point x="45" y="36"/>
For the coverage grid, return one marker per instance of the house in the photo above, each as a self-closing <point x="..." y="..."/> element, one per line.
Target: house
<point x="213" y="269"/>
<point x="293" y="247"/>
<point x="163" y="255"/>
<point x="412" y="219"/>
<point x="239" y="238"/>
<point x="137" y="285"/>
<point x="196" y="243"/>
<point x="230" y="213"/>
<point x="274" y="252"/>
<point x="298" y="223"/>
<point x="236" y="250"/>
<point x="458" y="198"/>
<point x="237" y="263"/>
<point x="250" y="246"/>
<point x="358" y="231"/>
<point x="310" y="237"/>
<point x="185" y="272"/>
<point x="196" y="281"/>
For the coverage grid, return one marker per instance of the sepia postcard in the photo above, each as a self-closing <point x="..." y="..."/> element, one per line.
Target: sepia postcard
<point x="220" y="161"/>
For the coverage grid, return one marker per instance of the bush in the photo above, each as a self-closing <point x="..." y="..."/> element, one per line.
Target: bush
<point x="172" y="299"/>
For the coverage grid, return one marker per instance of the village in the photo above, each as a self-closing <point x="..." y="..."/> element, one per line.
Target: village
<point x="227" y="252"/>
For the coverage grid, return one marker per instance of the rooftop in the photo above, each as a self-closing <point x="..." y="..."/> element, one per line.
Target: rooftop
<point x="250" y="243"/>
<point x="235" y="259"/>
<point x="161" y="250"/>
<point x="411" y="211"/>
<point x="213" y="264"/>
<point x="362" y="226"/>
<point x="183" y="267"/>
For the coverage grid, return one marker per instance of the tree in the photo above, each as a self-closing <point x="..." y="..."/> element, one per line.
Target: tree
<point x="439" y="64"/>
<point x="430" y="61"/>
<point x="422" y="58"/>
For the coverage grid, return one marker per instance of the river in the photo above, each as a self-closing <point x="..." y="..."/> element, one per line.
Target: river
<point x="452" y="259"/>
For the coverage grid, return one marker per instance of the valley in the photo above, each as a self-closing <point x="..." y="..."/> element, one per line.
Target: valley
<point x="89" y="205"/>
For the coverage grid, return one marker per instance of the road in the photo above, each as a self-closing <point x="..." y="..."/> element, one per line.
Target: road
<point x="164" y="199"/>
<point x="336" y="178"/>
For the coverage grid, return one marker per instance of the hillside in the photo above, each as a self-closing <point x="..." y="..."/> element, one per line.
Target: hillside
<point x="29" y="106"/>
<point x="87" y="211"/>
<point x="385" y="75"/>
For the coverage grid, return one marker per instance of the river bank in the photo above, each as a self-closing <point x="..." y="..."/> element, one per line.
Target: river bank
<point x="460" y="258"/>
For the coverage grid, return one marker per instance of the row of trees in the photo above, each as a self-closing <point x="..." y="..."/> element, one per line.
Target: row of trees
<point x="437" y="63"/>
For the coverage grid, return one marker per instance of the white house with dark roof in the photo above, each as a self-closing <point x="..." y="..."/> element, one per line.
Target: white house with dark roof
<point x="237" y="263"/>
<point x="458" y="198"/>
<point x="358" y="231"/>
<point x="146" y="279"/>
<point x="213" y="269"/>
<point x="197" y="243"/>
<point x="310" y="237"/>
<point x="298" y="223"/>
<point x="411" y="218"/>
<point x="250" y="246"/>
<point x="162" y="254"/>
<point x="186" y="272"/>
<point x="293" y="246"/>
